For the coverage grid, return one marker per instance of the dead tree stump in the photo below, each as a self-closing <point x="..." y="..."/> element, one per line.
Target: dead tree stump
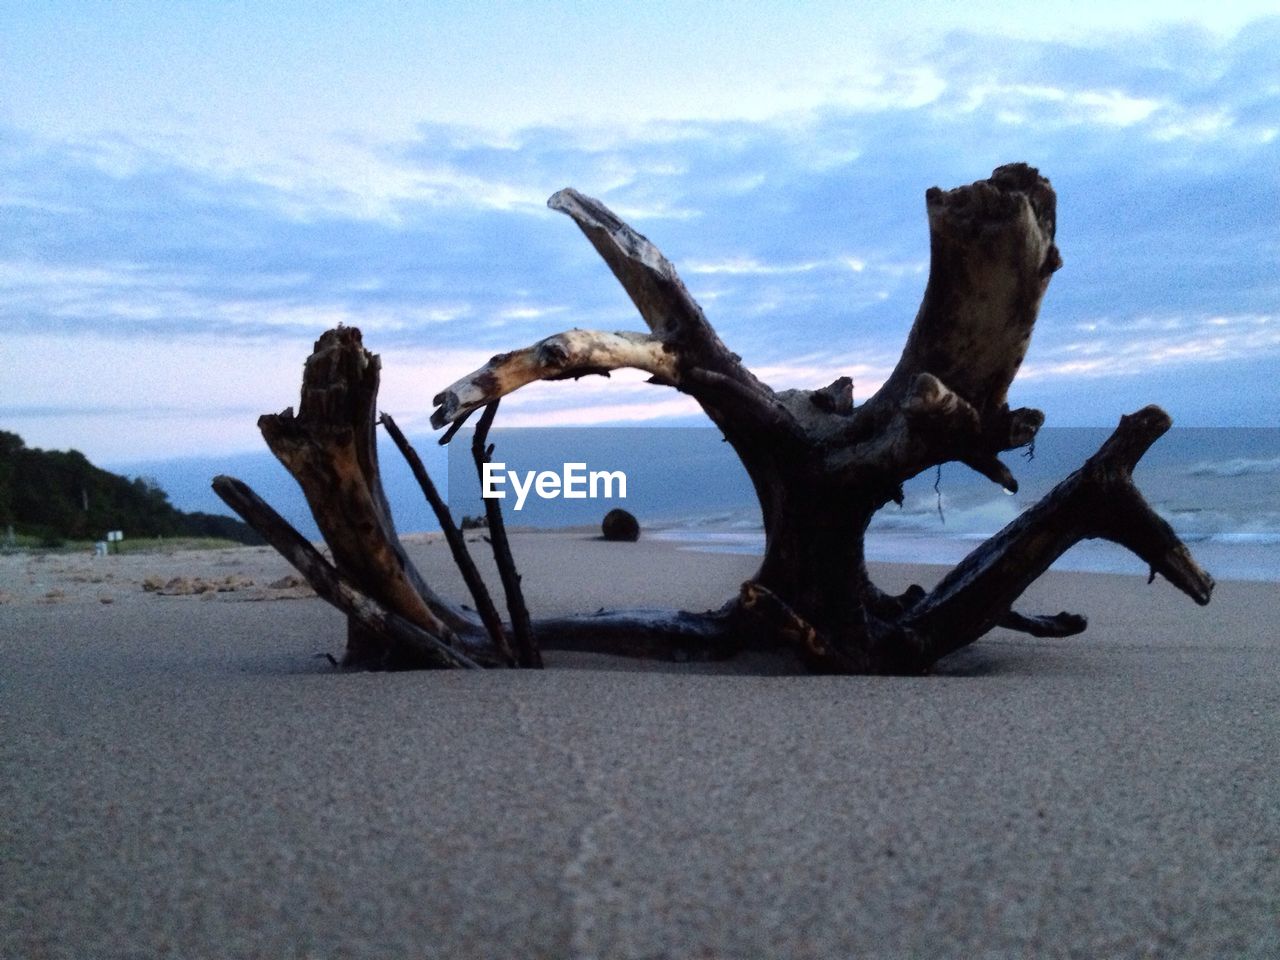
<point x="821" y="465"/>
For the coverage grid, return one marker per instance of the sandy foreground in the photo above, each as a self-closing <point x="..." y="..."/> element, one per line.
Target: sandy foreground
<point x="182" y="774"/>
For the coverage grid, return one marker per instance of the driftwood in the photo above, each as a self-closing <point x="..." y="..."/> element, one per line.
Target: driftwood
<point x="821" y="467"/>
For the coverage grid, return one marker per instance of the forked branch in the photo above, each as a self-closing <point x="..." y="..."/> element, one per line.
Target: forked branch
<point x="1098" y="500"/>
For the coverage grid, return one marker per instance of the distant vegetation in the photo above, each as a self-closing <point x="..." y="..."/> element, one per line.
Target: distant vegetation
<point x="56" y="496"/>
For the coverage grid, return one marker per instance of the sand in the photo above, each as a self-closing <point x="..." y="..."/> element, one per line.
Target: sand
<point x="182" y="774"/>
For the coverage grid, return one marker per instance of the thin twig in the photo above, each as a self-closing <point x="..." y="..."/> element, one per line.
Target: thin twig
<point x="937" y="488"/>
<point x="527" y="654"/>
<point x="457" y="543"/>
<point x="454" y="428"/>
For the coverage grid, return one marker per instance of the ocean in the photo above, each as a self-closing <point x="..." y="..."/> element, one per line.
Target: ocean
<point x="1218" y="487"/>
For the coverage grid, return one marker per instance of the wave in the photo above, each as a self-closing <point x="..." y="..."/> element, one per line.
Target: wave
<point x="1237" y="467"/>
<point x="984" y="518"/>
<point x="1246" y="537"/>
<point x="958" y="518"/>
<point x="1234" y="544"/>
<point x="1227" y="556"/>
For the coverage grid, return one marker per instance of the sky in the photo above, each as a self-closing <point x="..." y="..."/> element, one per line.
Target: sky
<point x="190" y="193"/>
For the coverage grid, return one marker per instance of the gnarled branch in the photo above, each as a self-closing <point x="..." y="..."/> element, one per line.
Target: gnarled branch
<point x="1098" y="500"/>
<point x="329" y="448"/>
<point x="647" y="276"/>
<point x="576" y="353"/>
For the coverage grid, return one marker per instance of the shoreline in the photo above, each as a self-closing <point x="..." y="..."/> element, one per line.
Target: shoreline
<point x="254" y="572"/>
<point x="67" y="573"/>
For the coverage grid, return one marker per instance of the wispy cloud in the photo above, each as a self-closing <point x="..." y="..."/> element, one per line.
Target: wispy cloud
<point x="1133" y="349"/>
<point x="803" y="233"/>
<point x="750" y="266"/>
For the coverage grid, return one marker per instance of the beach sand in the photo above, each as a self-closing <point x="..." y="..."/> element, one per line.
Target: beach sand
<point x="182" y="774"/>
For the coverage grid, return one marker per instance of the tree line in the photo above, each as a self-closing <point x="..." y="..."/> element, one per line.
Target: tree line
<point x="57" y="495"/>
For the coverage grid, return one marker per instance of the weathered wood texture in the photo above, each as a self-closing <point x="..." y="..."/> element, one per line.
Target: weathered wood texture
<point x="821" y="465"/>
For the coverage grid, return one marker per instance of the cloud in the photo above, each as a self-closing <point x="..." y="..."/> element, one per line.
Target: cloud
<point x="131" y="398"/>
<point x="1138" y="347"/>
<point x="804" y="235"/>
<point x="750" y="266"/>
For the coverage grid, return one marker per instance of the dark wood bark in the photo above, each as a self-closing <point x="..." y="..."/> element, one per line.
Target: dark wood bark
<point x="821" y="465"/>
<point x="404" y="643"/>
<point x="329" y="447"/>
<point x="526" y="648"/>
<point x="487" y="612"/>
<point x="675" y="635"/>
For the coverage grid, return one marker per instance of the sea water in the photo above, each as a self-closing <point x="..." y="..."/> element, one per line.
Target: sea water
<point x="1218" y="487"/>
